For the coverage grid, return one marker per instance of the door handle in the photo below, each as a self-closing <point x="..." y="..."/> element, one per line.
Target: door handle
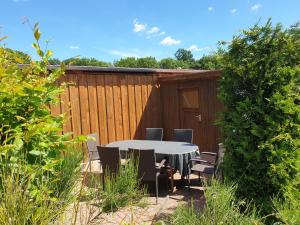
<point x="199" y="117"/>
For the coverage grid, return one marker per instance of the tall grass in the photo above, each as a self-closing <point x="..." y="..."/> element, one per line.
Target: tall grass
<point x="20" y="204"/>
<point x="221" y="208"/>
<point x="122" y="189"/>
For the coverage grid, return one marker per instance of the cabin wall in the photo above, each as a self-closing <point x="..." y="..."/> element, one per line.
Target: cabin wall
<point x="116" y="106"/>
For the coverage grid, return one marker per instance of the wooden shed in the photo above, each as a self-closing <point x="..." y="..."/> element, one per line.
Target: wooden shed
<point x="119" y="103"/>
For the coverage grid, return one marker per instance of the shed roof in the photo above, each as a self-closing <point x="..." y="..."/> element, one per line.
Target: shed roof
<point x="128" y="70"/>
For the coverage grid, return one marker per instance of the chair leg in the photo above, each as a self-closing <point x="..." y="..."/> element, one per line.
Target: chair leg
<point x="156" y="189"/>
<point x="189" y="181"/>
<point x="90" y="165"/>
<point x="172" y="182"/>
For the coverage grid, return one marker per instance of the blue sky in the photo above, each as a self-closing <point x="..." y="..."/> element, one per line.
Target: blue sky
<point x="111" y="29"/>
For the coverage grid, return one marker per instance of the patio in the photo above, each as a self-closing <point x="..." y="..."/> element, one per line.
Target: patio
<point x="144" y="214"/>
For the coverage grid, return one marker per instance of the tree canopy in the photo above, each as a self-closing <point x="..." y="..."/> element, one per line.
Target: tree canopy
<point x="184" y="55"/>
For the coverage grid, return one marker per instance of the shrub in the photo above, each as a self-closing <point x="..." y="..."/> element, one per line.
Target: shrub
<point x="122" y="188"/>
<point x="261" y="121"/>
<point x="221" y="208"/>
<point x="38" y="165"/>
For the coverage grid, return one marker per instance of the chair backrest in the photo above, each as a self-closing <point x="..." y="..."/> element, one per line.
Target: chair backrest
<point x="212" y="159"/>
<point x="183" y="135"/>
<point x="92" y="146"/>
<point x="154" y="134"/>
<point x="146" y="163"/>
<point x="110" y="158"/>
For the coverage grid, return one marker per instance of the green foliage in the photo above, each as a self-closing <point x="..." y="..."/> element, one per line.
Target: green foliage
<point x="184" y="55"/>
<point x="132" y="62"/>
<point x="122" y="188"/>
<point x="19" y="57"/>
<point x="38" y="165"/>
<point x="170" y="63"/>
<point x="221" y="208"/>
<point x="54" y="61"/>
<point x="147" y="62"/>
<point x="288" y="212"/>
<point x="209" y="62"/>
<point x="86" y="62"/>
<point x="261" y="123"/>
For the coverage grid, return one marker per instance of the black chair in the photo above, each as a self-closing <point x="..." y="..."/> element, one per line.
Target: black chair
<point x="154" y="134"/>
<point x="147" y="169"/>
<point x="183" y="135"/>
<point x="93" y="154"/>
<point x="205" y="165"/>
<point x="110" y="160"/>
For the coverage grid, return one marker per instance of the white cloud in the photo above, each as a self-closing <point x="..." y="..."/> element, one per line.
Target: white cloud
<point x="124" y="53"/>
<point x="233" y="11"/>
<point x="138" y="27"/>
<point x="256" y="7"/>
<point x="169" y="41"/>
<point x="195" y="48"/>
<point x="74" y="47"/>
<point x="210" y="8"/>
<point x="153" y="30"/>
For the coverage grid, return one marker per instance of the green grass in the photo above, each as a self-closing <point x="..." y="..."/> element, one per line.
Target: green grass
<point x="221" y="208"/>
<point x="122" y="189"/>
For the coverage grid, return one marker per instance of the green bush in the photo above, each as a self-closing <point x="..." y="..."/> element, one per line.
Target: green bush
<point x="261" y="121"/>
<point x="38" y="165"/>
<point x="122" y="188"/>
<point x="221" y="208"/>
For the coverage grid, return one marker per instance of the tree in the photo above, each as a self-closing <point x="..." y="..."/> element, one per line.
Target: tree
<point x="86" y="62"/>
<point x="147" y="62"/>
<point x="209" y="62"/>
<point x="19" y="57"/>
<point x="261" y="123"/>
<point x="170" y="63"/>
<point x="54" y="61"/>
<point x="184" y="55"/>
<point x="130" y="62"/>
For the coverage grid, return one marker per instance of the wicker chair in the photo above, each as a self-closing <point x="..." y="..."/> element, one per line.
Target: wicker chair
<point x="183" y="135"/>
<point x="154" y="134"/>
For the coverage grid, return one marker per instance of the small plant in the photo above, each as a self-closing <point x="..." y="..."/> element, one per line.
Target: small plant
<point x="122" y="189"/>
<point x="221" y="208"/>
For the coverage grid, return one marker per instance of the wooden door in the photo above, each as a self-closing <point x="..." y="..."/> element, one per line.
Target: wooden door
<point x="190" y="112"/>
<point x="198" y="111"/>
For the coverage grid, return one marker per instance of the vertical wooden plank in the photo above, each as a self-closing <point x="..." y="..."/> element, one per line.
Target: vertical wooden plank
<point x="150" y="118"/>
<point x="102" y="114"/>
<point x="84" y="104"/>
<point x="131" y="105"/>
<point x="110" y="108"/>
<point x="170" y="104"/>
<point x="125" y="107"/>
<point x="93" y="104"/>
<point x="138" y="105"/>
<point x="156" y="104"/>
<point x="75" y="104"/>
<point x="144" y="87"/>
<point x="116" y="84"/>
<point x="66" y="106"/>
